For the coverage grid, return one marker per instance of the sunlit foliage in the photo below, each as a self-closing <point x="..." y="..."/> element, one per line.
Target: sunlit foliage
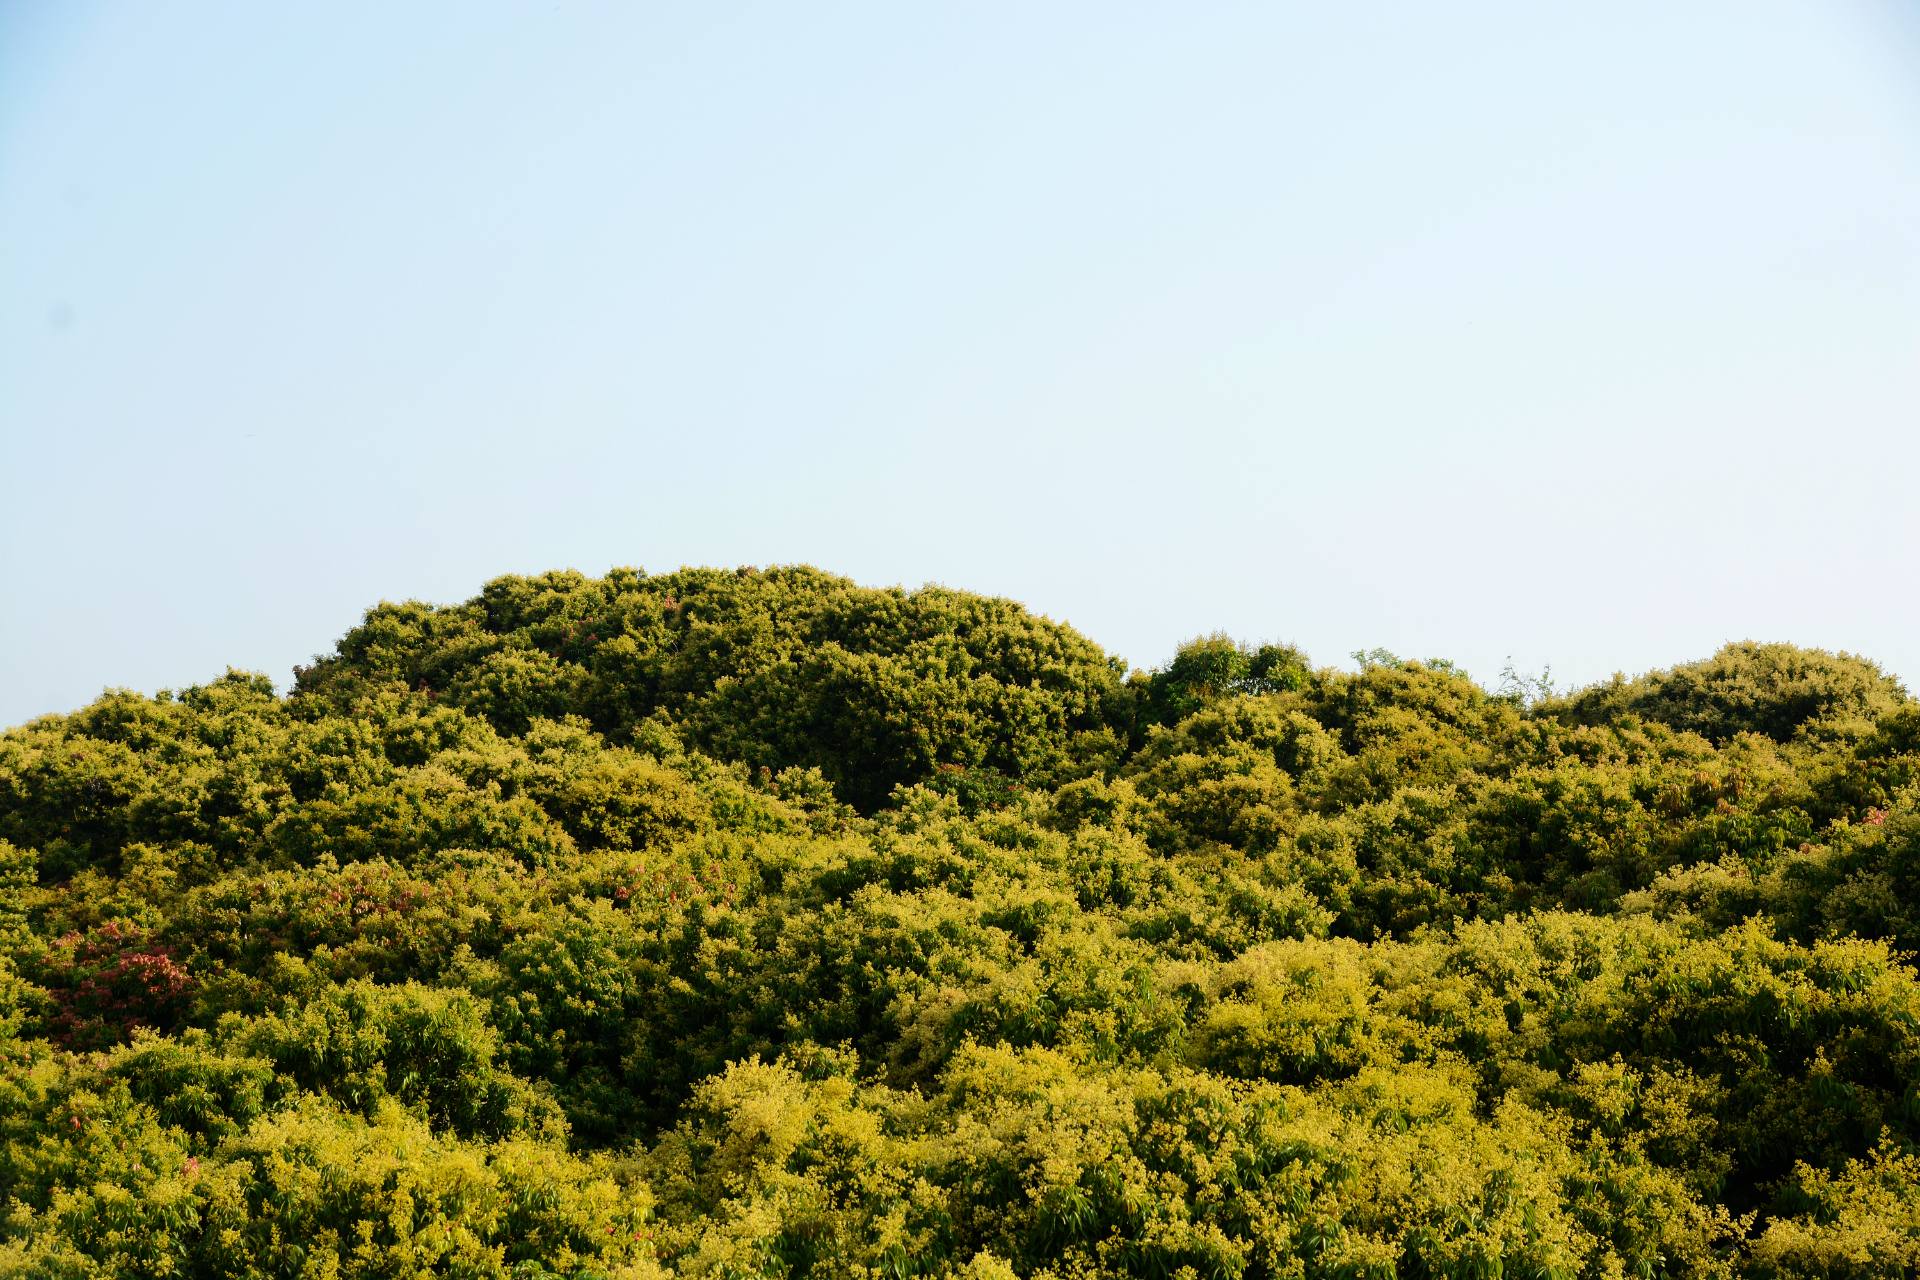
<point x="752" y="923"/>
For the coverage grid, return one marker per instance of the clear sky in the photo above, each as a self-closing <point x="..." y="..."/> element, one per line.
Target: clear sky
<point x="1588" y="335"/>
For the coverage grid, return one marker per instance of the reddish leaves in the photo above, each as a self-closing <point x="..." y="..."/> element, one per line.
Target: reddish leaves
<point x="108" y="981"/>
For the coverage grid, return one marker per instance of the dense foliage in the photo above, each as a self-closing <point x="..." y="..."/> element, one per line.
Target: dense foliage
<point x="756" y="924"/>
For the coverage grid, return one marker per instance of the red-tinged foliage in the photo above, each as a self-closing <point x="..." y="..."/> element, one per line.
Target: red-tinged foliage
<point x="109" y="981"/>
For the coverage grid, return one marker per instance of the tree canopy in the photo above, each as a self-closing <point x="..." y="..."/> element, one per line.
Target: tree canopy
<point x="757" y="924"/>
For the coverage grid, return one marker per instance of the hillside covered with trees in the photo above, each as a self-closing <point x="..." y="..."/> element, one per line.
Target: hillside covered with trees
<point x="753" y="923"/>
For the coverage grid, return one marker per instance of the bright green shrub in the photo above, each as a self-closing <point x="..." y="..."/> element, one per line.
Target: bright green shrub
<point x="1776" y="690"/>
<point x="431" y="1051"/>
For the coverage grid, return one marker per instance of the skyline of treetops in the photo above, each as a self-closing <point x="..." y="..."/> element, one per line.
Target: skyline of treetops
<point x="755" y="923"/>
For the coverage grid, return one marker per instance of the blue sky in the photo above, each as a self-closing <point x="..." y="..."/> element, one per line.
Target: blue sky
<point x="1588" y="335"/>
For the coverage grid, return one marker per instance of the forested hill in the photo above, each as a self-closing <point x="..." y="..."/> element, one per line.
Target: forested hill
<point x="755" y="923"/>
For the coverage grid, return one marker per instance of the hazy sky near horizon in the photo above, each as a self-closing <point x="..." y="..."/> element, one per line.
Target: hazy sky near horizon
<point x="1588" y="335"/>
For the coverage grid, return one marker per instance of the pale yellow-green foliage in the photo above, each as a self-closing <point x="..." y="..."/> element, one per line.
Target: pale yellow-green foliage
<point x="755" y="924"/>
